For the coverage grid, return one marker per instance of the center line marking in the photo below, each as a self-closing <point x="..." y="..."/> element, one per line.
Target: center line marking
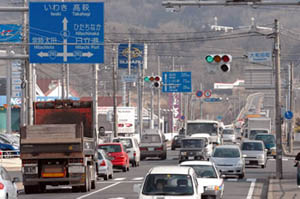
<point x="107" y="187"/>
<point x="250" y="193"/>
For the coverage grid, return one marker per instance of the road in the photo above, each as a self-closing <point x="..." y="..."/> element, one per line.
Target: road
<point x="254" y="184"/>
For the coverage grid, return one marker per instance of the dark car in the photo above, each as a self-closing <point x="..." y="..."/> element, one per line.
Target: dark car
<point x="176" y="142"/>
<point x="193" y="149"/>
<point x="269" y="141"/>
<point x="8" y="150"/>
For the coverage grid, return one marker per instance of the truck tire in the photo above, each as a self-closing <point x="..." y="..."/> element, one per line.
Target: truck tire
<point x="30" y="189"/>
<point x="86" y="187"/>
<point x="75" y="189"/>
<point x="93" y="184"/>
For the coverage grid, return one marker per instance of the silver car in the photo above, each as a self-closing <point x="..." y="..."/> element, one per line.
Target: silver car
<point x="229" y="135"/>
<point x="104" y="165"/>
<point x="229" y="160"/>
<point x="255" y="152"/>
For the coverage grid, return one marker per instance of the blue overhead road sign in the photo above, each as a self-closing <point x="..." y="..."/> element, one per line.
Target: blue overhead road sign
<point x="177" y="82"/>
<point x="66" y="32"/>
<point x="10" y="33"/>
<point x="137" y="55"/>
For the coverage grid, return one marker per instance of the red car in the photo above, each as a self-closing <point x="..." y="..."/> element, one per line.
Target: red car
<point x="120" y="159"/>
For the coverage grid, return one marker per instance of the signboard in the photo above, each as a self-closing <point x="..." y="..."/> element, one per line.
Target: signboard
<point x="126" y="119"/>
<point x="16" y="89"/>
<point x="207" y="93"/>
<point x="129" y="78"/>
<point x="212" y="99"/>
<point x="263" y="56"/>
<point x="199" y="93"/>
<point x="10" y="33"/>
<point x="66" y="32"/>
<point x="177" y="82"/>
<point x="137" y="55"/>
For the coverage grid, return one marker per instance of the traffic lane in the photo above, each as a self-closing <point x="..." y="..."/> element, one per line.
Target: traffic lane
<point x="238" y="188"/>
<point x="134" y="174"/>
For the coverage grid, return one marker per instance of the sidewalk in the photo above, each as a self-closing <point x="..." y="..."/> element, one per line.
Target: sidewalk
<point x="287" y="186"/>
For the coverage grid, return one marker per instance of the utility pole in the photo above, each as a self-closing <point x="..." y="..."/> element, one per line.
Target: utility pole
<point x="24" y="111"/>
<point x="129" y="71"/>
<point x="291" y="107"/>
<point x="95" y="100"/>
<point x="8" y="98"/>
<point x="63" y="81"/>
<point x="158" y="94"/>
<point x="68" y="80"/>
<point x="152" y="108"/>
<point x="278" y="102"/>
<point x="114" y="95"/>
<point x="140" y="105"/>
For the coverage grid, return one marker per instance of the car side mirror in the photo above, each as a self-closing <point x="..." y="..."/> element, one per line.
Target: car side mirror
<point x="15" y="180"/>
<point x="136" y="188"/>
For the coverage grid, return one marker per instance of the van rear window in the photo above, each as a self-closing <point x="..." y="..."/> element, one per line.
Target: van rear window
<point x="151" y="139"/>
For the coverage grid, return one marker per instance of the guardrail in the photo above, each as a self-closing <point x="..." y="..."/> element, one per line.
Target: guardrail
<point x="9" y="154"/>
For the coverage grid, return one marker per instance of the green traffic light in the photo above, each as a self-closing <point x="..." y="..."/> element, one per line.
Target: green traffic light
<point x="146" y="79"/>
<point x="209" y="59"/>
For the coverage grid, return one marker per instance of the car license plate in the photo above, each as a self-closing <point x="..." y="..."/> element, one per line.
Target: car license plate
<point x="150" y="149"/>
<point x="191" y="158"/>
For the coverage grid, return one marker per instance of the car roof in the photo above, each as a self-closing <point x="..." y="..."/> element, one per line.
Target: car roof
<point x="228" y="146"/>
<point x="196" y="163"/>
<point x="204" y="121"/>
<point x="111" y="143"/>
<point x="194" y="138"/>
<point x="170" y="170"/>
<point x="252" y="141"/>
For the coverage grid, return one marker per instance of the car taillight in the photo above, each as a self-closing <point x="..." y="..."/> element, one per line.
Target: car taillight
<point x="159" y="149"/>
<point x="143" y="148"/>
<point x="1" y="186"/>
<point x="134" y="153"/>
<point x="103" y="163"/>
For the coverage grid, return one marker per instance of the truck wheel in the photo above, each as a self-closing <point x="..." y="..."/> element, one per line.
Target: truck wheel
<point x="75" y="189"/>
<point x="93" y="185"/>
<point x="85" y="187"/>
<point x="28" y="189"/>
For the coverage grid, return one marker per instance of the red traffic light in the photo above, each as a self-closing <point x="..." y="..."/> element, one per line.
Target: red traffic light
<point x="226" y="58"/>
<point x="157" y="78"/>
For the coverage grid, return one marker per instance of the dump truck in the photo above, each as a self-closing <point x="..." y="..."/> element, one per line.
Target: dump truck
<point x="60" y="148"/>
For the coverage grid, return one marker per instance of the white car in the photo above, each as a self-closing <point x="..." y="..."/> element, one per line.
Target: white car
<point x="255" y="152"/>
<point x="8" y="187"/>
<point x="208" y="177"/>
<point x="229" y="135"/>
<point x="132" y="146"/>
<point x="170" y="182"/>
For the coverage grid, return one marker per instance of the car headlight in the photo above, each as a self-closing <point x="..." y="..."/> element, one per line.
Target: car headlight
<point x="260" y="156"/>
<point x="213" y="188"/>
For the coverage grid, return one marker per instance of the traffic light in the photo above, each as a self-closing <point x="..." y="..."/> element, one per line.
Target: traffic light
<point x="223" y="60"/>
<point x="155" y="80"/>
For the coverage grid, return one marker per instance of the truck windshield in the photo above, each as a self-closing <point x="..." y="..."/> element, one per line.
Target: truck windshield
<point x="192" y="143"/>
<point x="209" y="128"/>
<point x="168" y="185"/>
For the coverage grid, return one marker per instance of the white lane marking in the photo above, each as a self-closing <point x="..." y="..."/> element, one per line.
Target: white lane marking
<point x="99" y="190"/>
<point x="138" y="178"/>
<point x="120" y="182"/>
<point x="119" y="179"/>
<point x="250" y="192"/>
<point x="232" y="180"/>
<point x="117" y="198"/>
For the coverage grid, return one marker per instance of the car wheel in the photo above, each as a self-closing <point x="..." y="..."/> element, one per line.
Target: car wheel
<point x="173" y="148"/>
<point x="262" y="166"/>
<point x="111" y="176"/>
<point x="124" y="169"/>
<point x="128" y="168"/>
<point x="241" y="176"/>
<point x="105" y="177"/>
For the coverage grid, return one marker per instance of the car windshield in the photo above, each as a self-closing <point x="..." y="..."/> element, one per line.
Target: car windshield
<point x="126" y="142"/>
<point x="111" y="148"/>
<point x="208" y="128"/>
<point x="150" y="139"/>
<point x="228" y="132"/>
<point x="226" y="153"/>
<point x="267" y="139"/>
<point x="168" y="185"/>
<point x="204" y="171"/>
<point x="252" y="146"/>
<point x="192" y="143"/>
<point x="254" y="132"/>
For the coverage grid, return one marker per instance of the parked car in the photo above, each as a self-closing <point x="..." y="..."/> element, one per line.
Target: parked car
<point x="170" y="182"/>
<point x="229" y="135"/>
<point x="207" y="176"/>
<point x="104" y="165"/>
<point x="153" y="144"/>
<point x="193" y="148"/>
<point x="269" y="141"/>
<point x="176" y="142"/>
<point x="229" y="160"/>
<point x="8" y="187"/>
<point x="132" y="147"/>
<point x="119" y="156"/>
<point x="255" y="152"/>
